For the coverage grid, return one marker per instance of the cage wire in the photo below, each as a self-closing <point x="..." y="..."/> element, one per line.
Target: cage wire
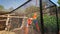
<point x="49" y="17"/>
<point x="17" y="23"/>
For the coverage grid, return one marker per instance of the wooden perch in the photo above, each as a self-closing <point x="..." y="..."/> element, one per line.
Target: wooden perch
<point x="13" y="16"/>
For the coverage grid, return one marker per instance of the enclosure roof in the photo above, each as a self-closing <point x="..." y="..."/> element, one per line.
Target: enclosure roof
<point x="16" y="8"/>
<point x="48" y="2"/>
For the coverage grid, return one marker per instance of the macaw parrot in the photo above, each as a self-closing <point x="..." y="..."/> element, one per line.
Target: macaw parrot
<point x="35" y="21"/>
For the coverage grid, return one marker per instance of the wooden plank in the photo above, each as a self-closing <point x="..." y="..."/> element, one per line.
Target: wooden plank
<point x="7" y="20"/>
<point x="14" y="16"/>
<point x="3" y="20"/>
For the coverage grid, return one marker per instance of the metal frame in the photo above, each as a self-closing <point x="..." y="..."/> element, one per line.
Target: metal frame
<point x="41" y="18"/>
<point x="20" y="6"/>
<point x="17" y="7"/>
<point x="56" y="17"/>
<point x="41" y="15"/>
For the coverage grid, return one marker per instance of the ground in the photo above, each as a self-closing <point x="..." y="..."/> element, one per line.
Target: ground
<point x="6" y="32"/>
<point x="22" y="31"/>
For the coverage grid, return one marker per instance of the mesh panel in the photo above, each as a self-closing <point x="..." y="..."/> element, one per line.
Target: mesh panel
<point x="49" y="17"/>
<point x="19" y="25"/>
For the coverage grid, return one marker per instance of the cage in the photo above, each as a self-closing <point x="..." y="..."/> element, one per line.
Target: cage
<point x="31" y="17"/>
<point x="49" y="15"/>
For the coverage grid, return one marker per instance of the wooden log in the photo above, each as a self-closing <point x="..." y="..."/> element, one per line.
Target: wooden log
<point x="3" y="20"/>
<point x="14" y="16"/>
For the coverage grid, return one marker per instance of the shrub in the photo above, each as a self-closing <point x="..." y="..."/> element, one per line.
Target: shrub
<point x="49" y="22"/>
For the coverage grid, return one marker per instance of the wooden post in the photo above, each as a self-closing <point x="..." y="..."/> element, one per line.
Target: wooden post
<point x="7" y="24"/>
<point x="7" y="20"/>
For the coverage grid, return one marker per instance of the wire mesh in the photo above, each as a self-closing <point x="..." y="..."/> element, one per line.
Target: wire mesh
<point x="20" y="25"/>
<point x="49" y="17"/>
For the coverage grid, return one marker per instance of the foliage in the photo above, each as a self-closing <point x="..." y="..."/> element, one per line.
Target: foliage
<point x="59" y="2"/>
<point x="31" y="9"/>
<point x="49" y="22"/>
<point x="1" y="7"/>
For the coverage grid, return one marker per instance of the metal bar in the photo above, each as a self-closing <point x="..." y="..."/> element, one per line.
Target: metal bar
<point x="17" y="7"/>
<point x="21" y="6"/>
<point x="36" y="2"/>
<point x="41" y="18"/>
<point x="57" y="21"/>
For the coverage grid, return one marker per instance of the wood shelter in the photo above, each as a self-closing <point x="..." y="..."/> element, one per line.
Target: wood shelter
<point x="4" y="20"/>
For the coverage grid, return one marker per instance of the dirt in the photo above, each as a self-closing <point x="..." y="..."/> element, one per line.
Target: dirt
<point x="22" y="31"/>
<point x="6" y="32"/>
